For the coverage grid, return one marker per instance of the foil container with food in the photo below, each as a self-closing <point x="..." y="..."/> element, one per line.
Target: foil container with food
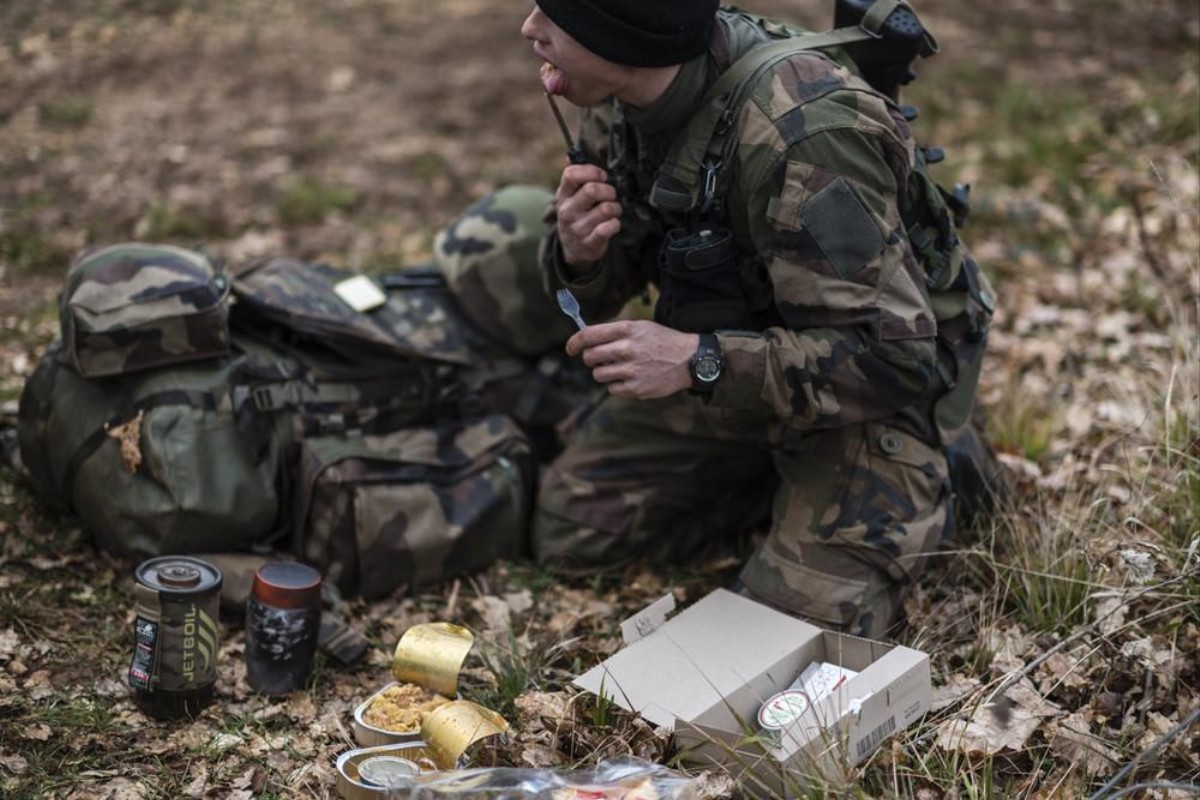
<point x="425" y="667"/>
<point x="415" y="724"/>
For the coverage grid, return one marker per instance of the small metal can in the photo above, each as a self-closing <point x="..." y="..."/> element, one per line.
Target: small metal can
<point x="388" y="772"/>
<point x="283" y="619"/>
<point x="782" y="709"/>
<point x="173" y="671"/>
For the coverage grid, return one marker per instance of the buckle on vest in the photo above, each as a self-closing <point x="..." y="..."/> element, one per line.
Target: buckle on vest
<point x="710" y="168"/>
<point x="274" y="396"/>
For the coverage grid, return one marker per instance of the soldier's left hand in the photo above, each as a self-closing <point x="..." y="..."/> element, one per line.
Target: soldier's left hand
<point x="636" y="358"/>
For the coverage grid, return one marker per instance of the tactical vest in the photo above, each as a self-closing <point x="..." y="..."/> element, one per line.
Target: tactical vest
<point x="693" y="180"/>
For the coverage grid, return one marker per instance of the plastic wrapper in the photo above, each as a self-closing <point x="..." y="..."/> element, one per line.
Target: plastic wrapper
<point x="618" y="779"/>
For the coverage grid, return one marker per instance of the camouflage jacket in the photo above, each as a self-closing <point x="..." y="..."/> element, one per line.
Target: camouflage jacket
<point x="812" y="199"/>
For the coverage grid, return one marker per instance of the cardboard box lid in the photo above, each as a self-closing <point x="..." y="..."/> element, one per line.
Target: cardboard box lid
<point x="699" y="657"/>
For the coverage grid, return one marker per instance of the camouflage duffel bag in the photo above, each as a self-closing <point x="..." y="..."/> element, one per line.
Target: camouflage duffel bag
<point x="130" y="307"/>
<point x="381" y="513"/>
<point x="168" y="460"/>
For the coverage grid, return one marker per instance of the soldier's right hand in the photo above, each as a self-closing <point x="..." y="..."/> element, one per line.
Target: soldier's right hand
<point x="588" y="214"/>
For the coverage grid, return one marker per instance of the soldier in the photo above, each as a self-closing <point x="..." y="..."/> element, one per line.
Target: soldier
<point x="792" y="371"/>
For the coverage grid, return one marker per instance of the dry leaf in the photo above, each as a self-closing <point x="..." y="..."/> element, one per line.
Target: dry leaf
<point x="1110" y="612"/>
<point x="955" y="689"/>
<point x="989" y="731"/>
<point x="38" y="685"/>
<point x="110" y="687"/>
<point x="519" y="602"/>
<point x="984" y="734"/>
<point x="129" y="436"/>
<point x="14" y="764"/>
<point x="39" y="732"/>
<point x="1138" y="564"/>
<point x="542" y="756"/>
<point x="1072" y="739"/>
<point x="9" y="642"/>
<point x="497" y="618"/>
<point x="198" y="784"/>
<point x="44" y="563"/>
<point x="710" y="785"/>
<point x="224" y="741"/>
<point x="1008" y="646"/>
<point x="1062" y="670"/>
<point x="124" y="789"/>
<point x="302" y="709"/>
<point x="536" y="710"/>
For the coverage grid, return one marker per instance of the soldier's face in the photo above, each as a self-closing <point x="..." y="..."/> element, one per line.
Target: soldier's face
<point x="579" y="75"/>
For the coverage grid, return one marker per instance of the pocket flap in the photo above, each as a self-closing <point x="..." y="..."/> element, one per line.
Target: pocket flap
<point x="123" y="275"/>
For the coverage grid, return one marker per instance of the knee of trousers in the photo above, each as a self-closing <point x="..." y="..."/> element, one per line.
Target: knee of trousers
<point x="845" y="595"/>
<point x="857" y="519"/>
<point x="571" y="527"/>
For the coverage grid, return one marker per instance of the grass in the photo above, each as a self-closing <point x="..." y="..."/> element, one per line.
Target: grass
<point x="66" y="113"/>
<point x="517" y="665"/>
<point x="24" y="243"/>
<point x="163" y="222"/>
<point x="1019" y="424"/>
<point x="68" y="725"/>
<point x="310" y="200"/>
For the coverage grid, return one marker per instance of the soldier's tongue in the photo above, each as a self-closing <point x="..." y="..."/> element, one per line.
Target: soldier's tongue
<point x="554" y="80"/>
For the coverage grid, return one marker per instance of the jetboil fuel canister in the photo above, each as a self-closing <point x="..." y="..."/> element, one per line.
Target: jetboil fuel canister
<point x="174" y="665"/>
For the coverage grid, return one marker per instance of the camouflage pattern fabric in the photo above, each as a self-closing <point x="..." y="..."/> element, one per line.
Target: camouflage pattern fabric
<point x="834" y="391"/>
<point x="160" y="461"/>
<point x="129" y="307"/>
<point x="418" y="505"/>
<point x="855" y="511"/>
<point x="301" y="296"/>
<point x="489" y="259"/>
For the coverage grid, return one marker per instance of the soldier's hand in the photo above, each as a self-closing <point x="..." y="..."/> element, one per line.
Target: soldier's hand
<point x="588" y="214"/>
<point x="636" y="358"/>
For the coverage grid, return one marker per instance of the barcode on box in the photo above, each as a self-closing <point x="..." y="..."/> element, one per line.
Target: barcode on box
<point x="872" y="739"/>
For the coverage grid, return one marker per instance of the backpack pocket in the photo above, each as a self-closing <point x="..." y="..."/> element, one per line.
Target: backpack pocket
<point x="402" y="510"/>
<point x="157" y="462"/>
<point x="130" y="307"/>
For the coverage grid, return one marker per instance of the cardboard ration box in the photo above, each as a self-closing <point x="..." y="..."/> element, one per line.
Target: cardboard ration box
<point x="776" y="702"/>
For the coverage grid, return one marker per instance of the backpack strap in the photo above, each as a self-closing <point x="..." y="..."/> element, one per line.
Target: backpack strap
<point x="688" y="177"/>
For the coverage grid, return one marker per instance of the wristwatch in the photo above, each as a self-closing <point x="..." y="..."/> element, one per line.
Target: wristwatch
<point x="705" y="365"/>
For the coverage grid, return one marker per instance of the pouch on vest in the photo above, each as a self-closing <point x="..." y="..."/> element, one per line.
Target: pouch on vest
<point x="130" y="307"/>
<point x="161" y="461"/>
<point x="700" y="287"/>
<point x="381" y="513"/>
<point x="960" y="296"/>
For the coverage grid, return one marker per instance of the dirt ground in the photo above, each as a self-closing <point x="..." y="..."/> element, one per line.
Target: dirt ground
<point x="351" y="131"/>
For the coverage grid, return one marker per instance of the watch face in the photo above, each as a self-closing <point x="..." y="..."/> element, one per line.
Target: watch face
<point x="708" y="368"/>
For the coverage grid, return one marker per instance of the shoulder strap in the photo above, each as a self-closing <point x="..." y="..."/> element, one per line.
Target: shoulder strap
<point x="698" y="151"/>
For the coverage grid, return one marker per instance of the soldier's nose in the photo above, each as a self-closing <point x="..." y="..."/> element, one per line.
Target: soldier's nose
<point x="529" y="28"/>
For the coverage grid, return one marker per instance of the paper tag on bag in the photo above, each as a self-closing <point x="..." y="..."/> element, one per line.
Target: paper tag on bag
<point x="360" y="293"/>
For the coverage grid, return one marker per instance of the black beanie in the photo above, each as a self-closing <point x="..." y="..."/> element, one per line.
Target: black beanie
<point x="637" y="33"/>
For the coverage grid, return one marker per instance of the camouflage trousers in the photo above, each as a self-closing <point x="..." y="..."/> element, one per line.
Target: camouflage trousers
<point x="852" y="514"/>
<point x="855" y="513"/>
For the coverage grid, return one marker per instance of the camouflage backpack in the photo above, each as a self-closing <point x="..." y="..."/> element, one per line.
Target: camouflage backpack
<point x="131" y="307"/>
<point x="356" y="440"/>
<point x="409" y="481"/>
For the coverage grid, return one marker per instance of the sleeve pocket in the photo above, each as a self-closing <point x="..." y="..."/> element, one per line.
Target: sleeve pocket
<point x="844" y="230"/>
